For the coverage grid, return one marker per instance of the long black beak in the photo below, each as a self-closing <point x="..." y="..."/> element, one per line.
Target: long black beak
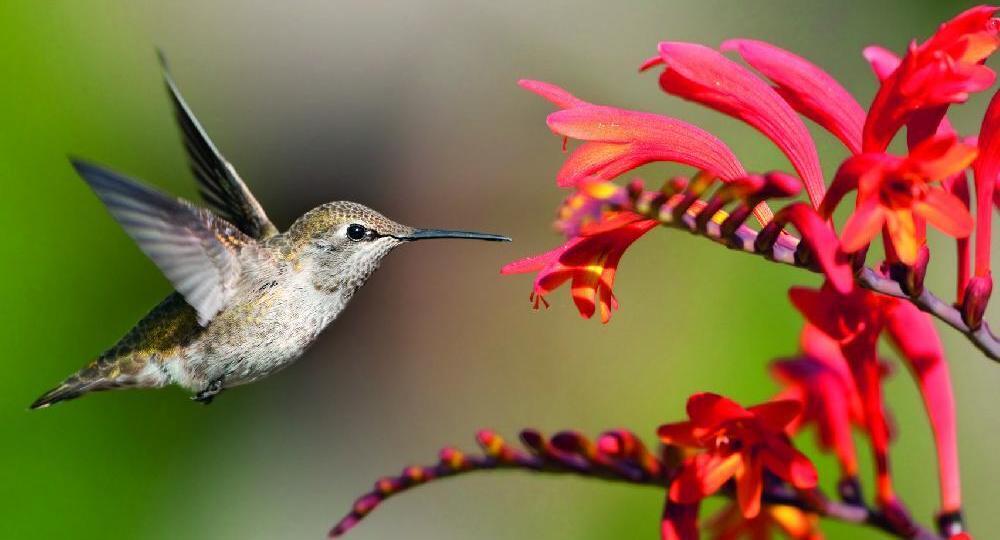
<point x="427" y="234"/>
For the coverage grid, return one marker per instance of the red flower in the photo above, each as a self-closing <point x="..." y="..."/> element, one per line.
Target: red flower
<point x="943" y="70"/>
<point x="740" y="443"/>
<point x="620" y="140"/>
<point x="590" y="260"/>
<point x="703" y="75"/>
<point x="730" y="524"/>
<point x="893" y="190"/>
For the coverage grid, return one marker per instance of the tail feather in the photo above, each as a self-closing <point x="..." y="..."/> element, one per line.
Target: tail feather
<point x="63" y="392"/>
<point x="89" y="379"/>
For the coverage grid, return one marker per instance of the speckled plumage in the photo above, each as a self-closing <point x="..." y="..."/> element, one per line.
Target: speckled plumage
<point x="249" y="299"/>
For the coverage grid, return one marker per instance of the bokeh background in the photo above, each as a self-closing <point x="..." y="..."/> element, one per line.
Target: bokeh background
<point x="409" y="107"/>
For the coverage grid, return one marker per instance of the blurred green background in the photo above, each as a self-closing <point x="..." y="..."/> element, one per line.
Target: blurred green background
<point x="409" y="107"/>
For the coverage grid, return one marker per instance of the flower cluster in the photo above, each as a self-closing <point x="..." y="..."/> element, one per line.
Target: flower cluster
<point x="834" y="383"/>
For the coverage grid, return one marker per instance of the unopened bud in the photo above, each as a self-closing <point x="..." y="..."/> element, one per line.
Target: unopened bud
<point x="975" y="300"/>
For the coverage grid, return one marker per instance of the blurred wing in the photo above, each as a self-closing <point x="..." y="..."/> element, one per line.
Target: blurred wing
<point x="197" y="251"/>
<point x="219" y="184"/>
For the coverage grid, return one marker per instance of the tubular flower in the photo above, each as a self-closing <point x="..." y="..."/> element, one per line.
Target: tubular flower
<point x="730" y="524"/>
<point x="619" y="140"/>
<point x="943" y="70"/>
<point x="739" y="444"/>
<point x="893" y="190"/>
<point x="703" y="75"/>
<point x="590" y="260"/>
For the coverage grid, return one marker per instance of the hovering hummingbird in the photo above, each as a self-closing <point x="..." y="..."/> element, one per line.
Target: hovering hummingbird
<point x="249" y="300"/>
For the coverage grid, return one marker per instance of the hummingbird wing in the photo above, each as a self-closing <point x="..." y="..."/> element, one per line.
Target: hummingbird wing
<point x="200" y="253"/>
<point x="218" y="182"/>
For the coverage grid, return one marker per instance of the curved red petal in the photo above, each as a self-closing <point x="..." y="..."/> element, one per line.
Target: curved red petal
<point x="705" y="76"/>
<point x="708" y="410"/>
<point x="775" y="415"/>
<point x="863" y="225"/>
<point x="559" y="97"/>
<point x="749" y="486"/>
<point x="650" y="137"/>
<point x="807" y="88"/>
<point x="987" y="173"/>
<point x="946" y="212"/>
<point x="822" y="242"/>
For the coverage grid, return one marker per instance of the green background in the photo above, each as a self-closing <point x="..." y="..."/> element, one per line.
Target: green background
<point x="410" y="108"/>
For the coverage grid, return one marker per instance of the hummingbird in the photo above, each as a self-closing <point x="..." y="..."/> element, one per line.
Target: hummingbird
<point x="248" y="300"/>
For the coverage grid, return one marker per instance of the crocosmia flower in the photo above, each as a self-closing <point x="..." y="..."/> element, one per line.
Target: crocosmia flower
<point x="739" y="443"/>
<point x="943" y="70"/>
<point x="589" y="260"/>
<point x="894" y="191"/>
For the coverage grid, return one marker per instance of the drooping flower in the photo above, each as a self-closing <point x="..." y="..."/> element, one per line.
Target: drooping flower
<point x="739" y="443"/>
<point x="943" y="70"/>
<point x="589" y="260"/>
<point x="892" y="190"/>
<point x="730" y="524"/>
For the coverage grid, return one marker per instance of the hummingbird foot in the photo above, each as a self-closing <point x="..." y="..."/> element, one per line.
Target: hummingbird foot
<point x="208" y="394"/>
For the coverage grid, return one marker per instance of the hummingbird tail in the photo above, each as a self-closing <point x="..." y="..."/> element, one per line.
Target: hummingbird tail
<point x="99" y="375"/>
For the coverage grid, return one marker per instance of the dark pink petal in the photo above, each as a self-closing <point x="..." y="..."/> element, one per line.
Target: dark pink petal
<point x="987" y="171"/>
<point x="703" y="75"/>
<point x="807" y="88"/>
<point x="630" y="139"/>
<point x="559" y="97"/>
<point x="822" y="242"/>
<point x="913" y="333"/>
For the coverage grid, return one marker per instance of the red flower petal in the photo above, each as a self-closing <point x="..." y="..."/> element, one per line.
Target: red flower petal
<point x="749" y="485"/>
<point x="913" y="333"/>
<point x="863" y="225"/>
<point x="775" y="415"/>
<point x="708" y="410"/>
<point x="946" y="212"/>
<point x="559" y="97"/>
<point x="882" y="60"/>
<point x="789" y="464"/>
<point x="643" y="138"/>
<point x="987" y="169"/>
<point x="822" y="242"/>
<point x="703" y="75"/>
<point x="807" y="88"/>
<point x="679" y="433"/>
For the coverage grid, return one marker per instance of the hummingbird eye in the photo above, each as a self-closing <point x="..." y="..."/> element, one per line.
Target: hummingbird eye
<point x="356" y="232"/>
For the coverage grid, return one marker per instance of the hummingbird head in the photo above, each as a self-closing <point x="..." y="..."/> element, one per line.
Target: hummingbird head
<point x="347" y="240"/>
